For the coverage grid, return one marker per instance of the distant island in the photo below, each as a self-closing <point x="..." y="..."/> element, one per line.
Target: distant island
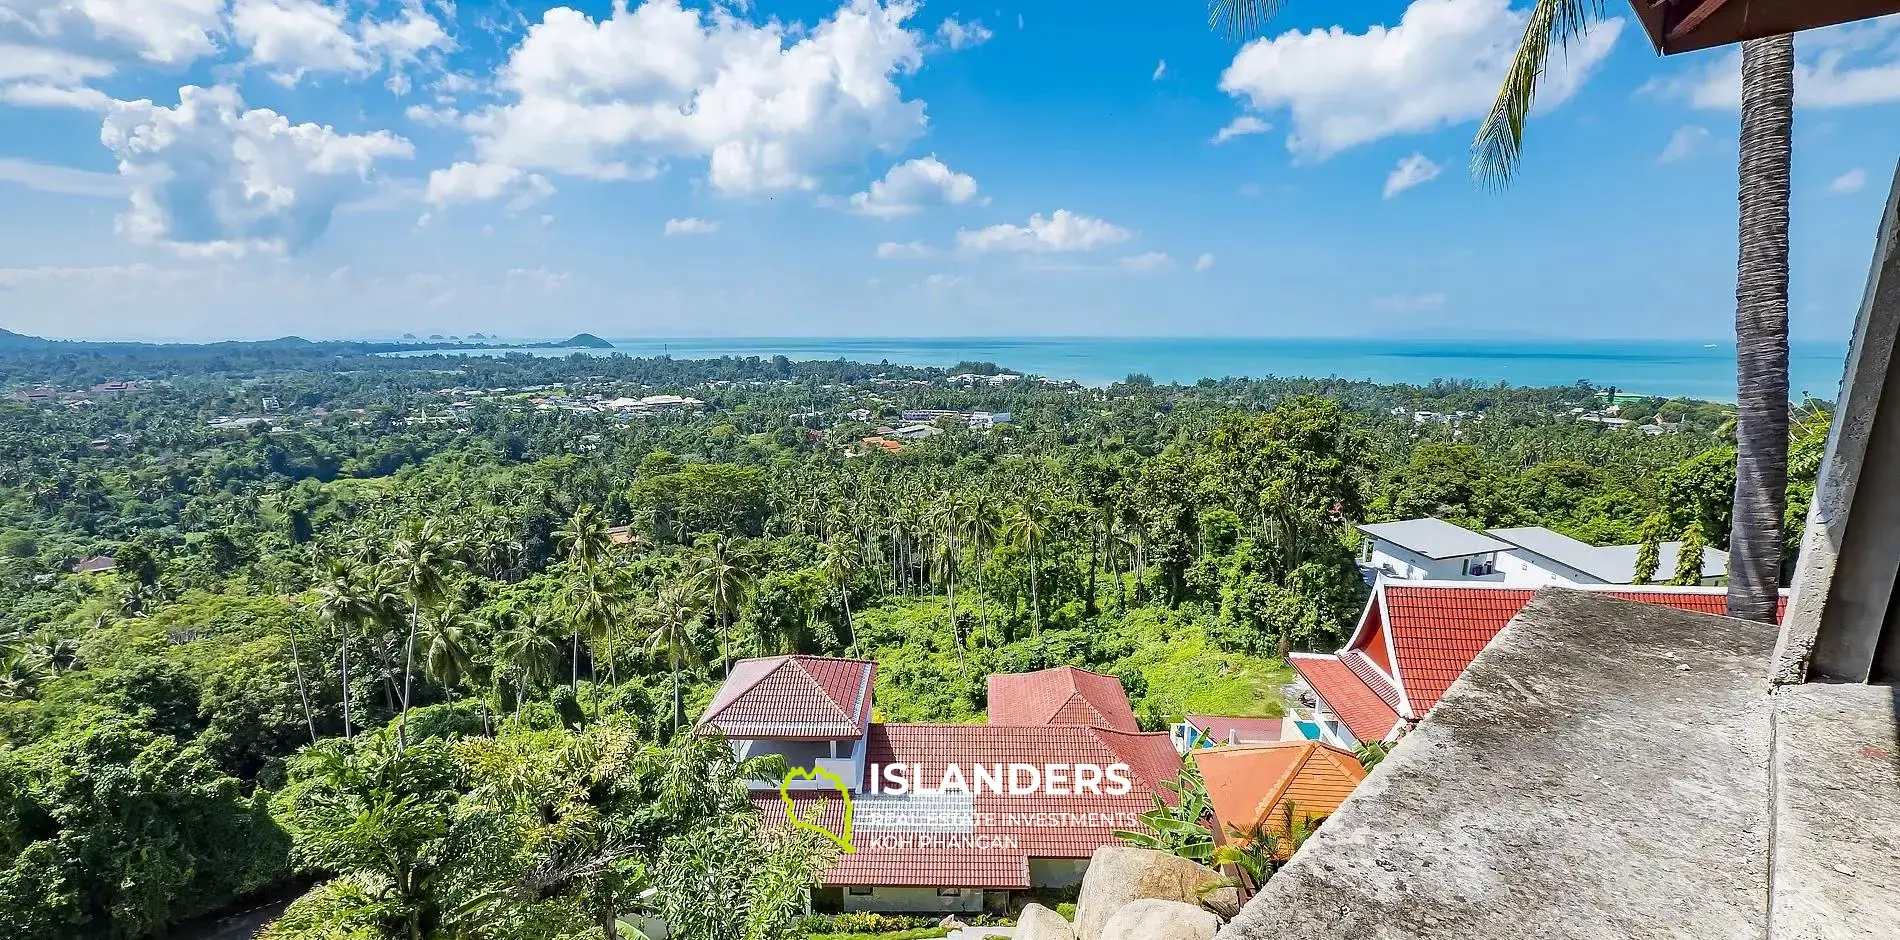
<point x="20" y="342"/>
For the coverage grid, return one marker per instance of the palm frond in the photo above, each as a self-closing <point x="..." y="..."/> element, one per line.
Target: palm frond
<point x="1241" y="19"/>
<point x="1553" y="25"/>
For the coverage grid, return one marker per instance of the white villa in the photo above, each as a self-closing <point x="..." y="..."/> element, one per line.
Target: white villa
<point x="1430" y="549"/>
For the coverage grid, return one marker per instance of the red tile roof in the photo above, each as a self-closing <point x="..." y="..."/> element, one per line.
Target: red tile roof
<point x="794" y="697"/>
<point x="1248" y="785"/>
<point x="1005" y="830"/>
<point x="1362" y="711"/>
<point x="1064" y="695"/>
<point x="1439" y="629"/>
<point x="1243" y="730"/>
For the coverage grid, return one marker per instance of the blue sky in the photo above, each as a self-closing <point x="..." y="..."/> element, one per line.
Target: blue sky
<point x="181" y="169"/>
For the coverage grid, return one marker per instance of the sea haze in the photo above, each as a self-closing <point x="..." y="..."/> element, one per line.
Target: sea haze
<point x="1667" y="368"/>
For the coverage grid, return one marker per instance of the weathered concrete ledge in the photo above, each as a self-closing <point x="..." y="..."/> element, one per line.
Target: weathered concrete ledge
<point x="1600" y="771"/>
<point x="1837" y="813"/>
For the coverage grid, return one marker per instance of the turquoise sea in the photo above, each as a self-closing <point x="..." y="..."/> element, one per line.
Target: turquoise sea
<point x="1666" y="368"/>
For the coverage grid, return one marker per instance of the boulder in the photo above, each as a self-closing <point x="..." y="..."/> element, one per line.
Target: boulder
<point x="1119" y="874"/>
<point x="1151" y="919"/>
<point x="1040" y="923"/>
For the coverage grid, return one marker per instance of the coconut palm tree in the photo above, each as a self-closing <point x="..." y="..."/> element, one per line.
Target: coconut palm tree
<point x="982" y="525"/>
<point x="445" y="655"/>
<point x="345" y="602"/>
<point x="670" y="620"/>
<point x="419" y="561"/>
<point x="1028" y="529"/>
<point x="844" y="555"/>
<point x="723" y="576"/>
<point x="944" y="520"/>
<point x="1761" y="309"/>
<point x="528" y="652"/>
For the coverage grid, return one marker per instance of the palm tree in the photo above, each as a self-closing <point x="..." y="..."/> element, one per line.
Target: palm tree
<point x="528" y="650"/>
<point x="983" y="523"/>
<point x="584" y="538"/>
<point x="723" y="576"/>
<point x="445" y="656"/>
<point x="670" y="620"/>
<point x="844" y="555"/>
<point x="1028" y="530"/>
<point x="945" y="520"/>
<point x="344" y="603"/>
<point x="419" y="561"/>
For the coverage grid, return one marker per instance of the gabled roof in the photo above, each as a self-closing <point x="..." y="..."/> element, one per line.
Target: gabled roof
<point x="810" y="697"/>
<point x="1249" y="784"/>
<point x="1611" y="564"/>
<point x="1436" y="628"/>
<point x="1064" y="695"/>
<point x="1359" y="708"/>
<point x="1434" y="538"/>
<point x="1006" y="830"/>
<point x="1243" y="730"/>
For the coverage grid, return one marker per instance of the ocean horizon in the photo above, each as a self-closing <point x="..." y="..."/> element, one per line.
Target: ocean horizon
<point x="1667" y="368"/>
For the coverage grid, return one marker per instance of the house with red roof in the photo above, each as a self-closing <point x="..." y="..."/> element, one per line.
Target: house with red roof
<point x="1415" y="639"/>
<point x="945" y="818"/>
<point x="1252" y="786"/>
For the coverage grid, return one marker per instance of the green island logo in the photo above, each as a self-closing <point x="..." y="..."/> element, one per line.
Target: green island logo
<point x="791" y="812"/>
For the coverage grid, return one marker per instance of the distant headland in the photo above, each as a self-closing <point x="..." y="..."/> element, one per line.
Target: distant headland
<point x="20" y="342"/>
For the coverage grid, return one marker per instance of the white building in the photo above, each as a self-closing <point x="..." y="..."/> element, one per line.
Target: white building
<point x="1429" y="549"/>
<point x="1539" y="556"/>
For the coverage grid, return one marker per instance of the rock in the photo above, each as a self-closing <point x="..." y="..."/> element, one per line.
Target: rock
<point x="1040" y="923"/>
<point x="1151" y="919"/>
<point x="951" y="922"/>
<point x="1119" y="874"/>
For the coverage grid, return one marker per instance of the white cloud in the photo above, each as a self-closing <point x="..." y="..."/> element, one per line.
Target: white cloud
<point x="1161" y="68"/>
<point x="60" y="179"/>
<point x="104" y="274"/>
<point x="540" y="279"/>
<point x="767" y="106"/>
<point x="293" y="37"/>
<point x="211" y="178"/>
<point x="941" y="281"/>
<point x="433" y="115"/>
<point x="1688" y="141"/>
<point x="903" y="250"/>
<point x="1061" y="231"/>
<point x="480" y="182"/>
<point x="958" y="35"/>
<point x="169" y="32"/>
<point x="1241" y="127"/>
<point x="1842" y="67"/>
<point x="1204" y="263"/>
<point x="912" y="186"/>
<point x="1148" y="261"/>
<point x="1850" y="182"/>
<point x="1403" y="303"/>
<point x="1441" y="66"/>
<point x="690" y="226"/>
<point x="1414" y="170"/>
<point x="39" y="77"/>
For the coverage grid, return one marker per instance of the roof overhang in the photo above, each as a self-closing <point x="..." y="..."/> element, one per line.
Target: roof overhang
<point x="1687" y="25"/>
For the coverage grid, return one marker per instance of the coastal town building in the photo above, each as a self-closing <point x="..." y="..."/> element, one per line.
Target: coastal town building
<point x="1415" y="639"/>
<point x="1430" y="549"/>
<point x="947" y="818"/>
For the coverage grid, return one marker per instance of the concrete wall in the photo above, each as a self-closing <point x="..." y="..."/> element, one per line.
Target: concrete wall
<point x="1404" y="564"/>
<point x="915" y="901"/>
<point x="1525" y="568"/>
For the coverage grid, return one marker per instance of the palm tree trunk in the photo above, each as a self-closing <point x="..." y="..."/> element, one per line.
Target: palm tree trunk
<point x="1761" y="330"/>
<point x="1095" y="541"/>
<point x="345" y="647"/>
<point x="303" y="693"/>
<point x="408" y="667"/>
<point x="1035" y="598"/>
<point x="850" y="632"/>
